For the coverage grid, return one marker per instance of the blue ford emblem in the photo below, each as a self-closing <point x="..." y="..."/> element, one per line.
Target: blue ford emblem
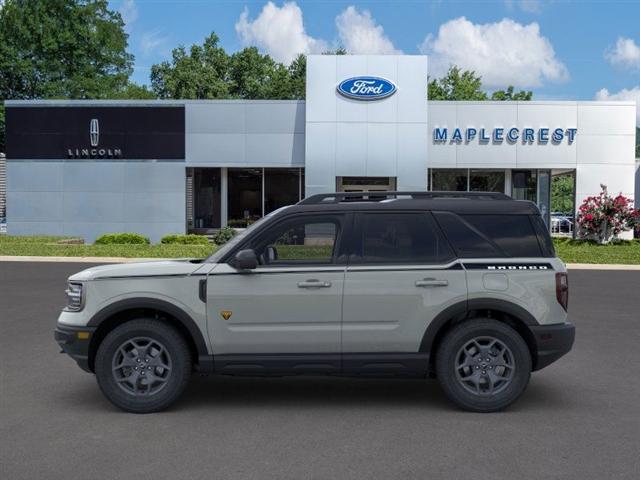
<point x="366" y="88"/>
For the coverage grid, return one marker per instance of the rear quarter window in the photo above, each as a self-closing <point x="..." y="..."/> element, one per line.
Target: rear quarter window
<point x="485" y="236"/>
<point x="514" y="234"/>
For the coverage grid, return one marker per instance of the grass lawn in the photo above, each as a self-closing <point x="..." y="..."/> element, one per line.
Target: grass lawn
<point x="57" y="247"/>
<point x="570" y="251"/>
<point x="579" y="251"/>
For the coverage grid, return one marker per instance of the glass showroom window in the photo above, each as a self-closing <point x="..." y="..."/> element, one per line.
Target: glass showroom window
<point x="255" y="192"/>
<point x="204" y="212"/>
<point x="486" y="181"/>
<point x="524" y="185"/>
<point x="281" y="187"/>
<point x="244" y="196"/>
<point x="466" y="180"/>
<point x="449" y="179"/>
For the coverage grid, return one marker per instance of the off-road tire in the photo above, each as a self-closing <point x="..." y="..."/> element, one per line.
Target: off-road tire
<point x="177" y="377"/>
<point x="449" y="352"/>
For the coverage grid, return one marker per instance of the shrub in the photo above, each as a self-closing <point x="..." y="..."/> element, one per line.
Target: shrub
<point x="190" y="239"/>
<point x="224" y="235"/>
<point x="603" y="217"/>
<point x="122" y="238"/>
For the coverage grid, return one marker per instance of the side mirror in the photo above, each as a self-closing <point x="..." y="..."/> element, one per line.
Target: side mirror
<point x="246" y="260"/>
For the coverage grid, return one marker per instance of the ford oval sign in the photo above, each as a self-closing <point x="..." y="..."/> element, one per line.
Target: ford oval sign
<point x="366" y="88"/>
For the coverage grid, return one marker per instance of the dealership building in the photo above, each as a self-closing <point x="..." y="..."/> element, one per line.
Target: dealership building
<point x="83" y="168"/>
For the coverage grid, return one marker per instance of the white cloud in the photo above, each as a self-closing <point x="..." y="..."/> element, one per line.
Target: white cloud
<point x="529" y="6"/>
<point x="129" y="13"/>
<point x="626" y="53"/>
<point x="632" y="94"/>
<point x="504" y="53"/>
<point x="278" y="31"/>
<point x="151" y="41"/>
<point x="360" y="34"/>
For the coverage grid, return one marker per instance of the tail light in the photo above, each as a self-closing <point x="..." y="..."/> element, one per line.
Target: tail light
<point x="562" y="289"/>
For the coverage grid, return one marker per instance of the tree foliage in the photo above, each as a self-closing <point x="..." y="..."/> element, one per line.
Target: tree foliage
<point x="207" y="72"/>
<point x="62" y="49"/>
<point x="458" y="84"/>
<point x="510" y="95"/>
<point x="562" y="193"/>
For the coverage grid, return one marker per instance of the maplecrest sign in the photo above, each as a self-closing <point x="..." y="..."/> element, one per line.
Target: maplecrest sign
<point x="526" y="136"/>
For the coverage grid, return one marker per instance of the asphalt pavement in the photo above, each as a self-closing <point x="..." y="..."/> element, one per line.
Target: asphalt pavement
<point x="579" y="418"/>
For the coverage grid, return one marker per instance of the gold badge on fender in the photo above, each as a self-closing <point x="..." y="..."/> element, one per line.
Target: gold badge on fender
<point x="226" y="314"/>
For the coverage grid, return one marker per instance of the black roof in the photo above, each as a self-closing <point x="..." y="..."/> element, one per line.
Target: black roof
<point x="457" y="202"/>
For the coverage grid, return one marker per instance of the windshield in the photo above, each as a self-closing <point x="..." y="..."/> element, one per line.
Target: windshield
<point x="216" y="256"/>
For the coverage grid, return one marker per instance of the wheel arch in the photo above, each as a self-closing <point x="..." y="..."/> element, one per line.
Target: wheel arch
<point x="122" y="311"/>
<point x="507" y="312"/>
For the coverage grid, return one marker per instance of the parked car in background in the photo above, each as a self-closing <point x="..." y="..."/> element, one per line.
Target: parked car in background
<point x="562" y="223"/>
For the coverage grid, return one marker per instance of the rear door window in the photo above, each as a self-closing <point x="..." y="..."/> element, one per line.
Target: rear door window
<point x="397" y="238"/>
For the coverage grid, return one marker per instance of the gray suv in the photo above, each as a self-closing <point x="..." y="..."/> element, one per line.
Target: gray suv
<point x="463" y="287"/>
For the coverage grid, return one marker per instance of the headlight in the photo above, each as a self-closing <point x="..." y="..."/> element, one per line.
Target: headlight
<point x="75" y="299"/>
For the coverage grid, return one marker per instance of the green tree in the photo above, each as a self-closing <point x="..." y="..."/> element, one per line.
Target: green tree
<point x="510" y="95"/>
<point x="256" y="76"/>
<point x="61" y="49"/>
<point x="208" y="72"/>
<point x="457" y="85"/>
<point x="562" y="193"/>
<point x="298" y="74"/>
<point x="201" y="73"/>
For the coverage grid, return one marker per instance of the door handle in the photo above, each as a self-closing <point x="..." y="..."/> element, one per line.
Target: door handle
<point x="431" y="282"/>
<point x="313" y="283"/>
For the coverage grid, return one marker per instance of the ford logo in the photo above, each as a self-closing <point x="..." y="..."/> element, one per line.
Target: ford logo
<point x="366" y="88"/>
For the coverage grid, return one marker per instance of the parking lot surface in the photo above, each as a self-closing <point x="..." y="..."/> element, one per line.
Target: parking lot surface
<point x="579" y="418"/>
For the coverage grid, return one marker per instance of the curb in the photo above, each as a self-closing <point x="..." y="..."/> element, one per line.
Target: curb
<point x="601" y="266"/>
<point x="19" y="258"/>
<point x="10" y="258"/>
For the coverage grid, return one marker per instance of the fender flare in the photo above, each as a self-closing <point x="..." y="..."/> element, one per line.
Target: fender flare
<point x="155" y="304"/>
<point x="460" y="310"/>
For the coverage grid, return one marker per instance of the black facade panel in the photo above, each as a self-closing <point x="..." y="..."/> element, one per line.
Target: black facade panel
<point x="51" y="132"/>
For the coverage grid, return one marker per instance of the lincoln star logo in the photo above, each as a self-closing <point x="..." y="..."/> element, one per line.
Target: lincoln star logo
<point x="226" y="314"/>
<point x="366" y="88"/>
<point x="105" y="151"/>
<point x="94" y="132"/>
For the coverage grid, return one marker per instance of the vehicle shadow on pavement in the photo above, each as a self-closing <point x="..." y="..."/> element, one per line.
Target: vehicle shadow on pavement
<point x="221" y="392"/>
<point x="303" y="392"/>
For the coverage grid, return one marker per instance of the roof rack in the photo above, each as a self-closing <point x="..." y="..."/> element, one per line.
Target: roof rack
<point x="323" y="198"/>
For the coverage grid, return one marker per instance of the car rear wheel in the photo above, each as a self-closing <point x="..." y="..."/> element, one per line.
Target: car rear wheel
<point x="143" y="366"/>
<point x="483" y="365"/>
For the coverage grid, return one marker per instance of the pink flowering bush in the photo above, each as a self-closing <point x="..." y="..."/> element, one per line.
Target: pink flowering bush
<point x="603" y="217"/>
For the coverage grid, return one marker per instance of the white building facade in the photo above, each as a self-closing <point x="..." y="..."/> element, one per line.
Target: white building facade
<point x="84" y="168"/>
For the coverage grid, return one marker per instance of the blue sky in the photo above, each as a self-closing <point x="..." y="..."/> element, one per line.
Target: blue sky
<point x="561" y="50"/>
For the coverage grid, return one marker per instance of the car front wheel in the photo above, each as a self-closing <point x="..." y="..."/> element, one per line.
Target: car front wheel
<point x="143" y="365"/>
<point x="483" y="365"/>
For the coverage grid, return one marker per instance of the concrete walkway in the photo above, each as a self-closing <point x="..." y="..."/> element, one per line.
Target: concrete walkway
<point x="9" y="258"/>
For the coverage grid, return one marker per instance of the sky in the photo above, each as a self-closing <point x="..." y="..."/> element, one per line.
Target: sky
<point x="559" y="49"/>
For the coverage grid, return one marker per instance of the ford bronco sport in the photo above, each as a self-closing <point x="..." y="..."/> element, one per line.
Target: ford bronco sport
<point x="464" y="287"/>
